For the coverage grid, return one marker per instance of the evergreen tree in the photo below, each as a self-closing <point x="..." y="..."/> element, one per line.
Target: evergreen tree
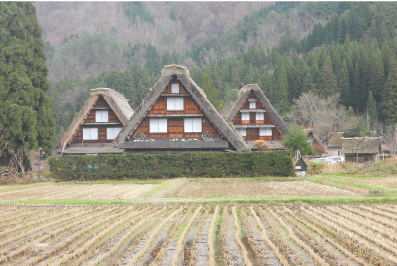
<point x="211" y="92"/>
<point x="356" y="86"/>
<point x="344" y="85"/>
<point x="371" y="111"/>
<point x="266" y="85"/>
<point x="327" y="83"/>
<point x="376" y="75"/>
<point x="26" y="120"/>
<point x="281" y="90"/>
<point x="390" y="94"/>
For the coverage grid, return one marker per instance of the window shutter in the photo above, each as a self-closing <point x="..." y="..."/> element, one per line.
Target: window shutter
<point x="179" y="104"/>
<point x="174" y="88"/>
<point x="162" y="125"/>
<point x="94" y="133"/>
<point x="245" y="116"/>
<point x="197" y="125"/>
<point x="170" y="103"/>
<point x="154" y="125"/>
<point x="267" y="132"/>
<point x="86" y="134"/>
<point x="242" y="132"/>
<point x="188" y="127"/>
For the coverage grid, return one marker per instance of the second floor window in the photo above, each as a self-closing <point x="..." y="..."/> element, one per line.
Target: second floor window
<point x="245" y="116"/>
<point x="102" y="116"/>
<point x="90" y="133"/>
<point x="174" y="104"/>
<point x="112" y="132"/>
<point x="265" y="132"/>
<point x="242" y="131"/>
<point x="252" y="105"/>
<point x="158" y="125"/>
<point x="193" y="125"/>
<point x="260" y="116"/>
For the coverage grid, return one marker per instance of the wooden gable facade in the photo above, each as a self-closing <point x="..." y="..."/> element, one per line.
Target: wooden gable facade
<point x="176" y="116"/>
<point x="176" y="119"/>
<point x="252" y="115"/>
<point x="102" y="120"/>
<point x="97" y="124"/>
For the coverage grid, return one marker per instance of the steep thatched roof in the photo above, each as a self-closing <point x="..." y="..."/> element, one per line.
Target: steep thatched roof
<point x="335" y="140"/>
<point x="317" y="144"/>
<point x="116" y="101"/>
<point x="198" y="95"/>
<point x="361" y="145"/>
<point x="243" y="94"/>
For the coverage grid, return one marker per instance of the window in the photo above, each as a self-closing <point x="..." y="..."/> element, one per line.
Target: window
<point x="158" y="125"/>
<point x="266" y="131"/>
<point x="193" y="125"/>
<point x="260" y="116"/>
<point x="90" y="133"/>
<point x="102" y="116"/>
<point x="174" y="104"/>
<point x="112" y="132"/>
<point x="245" y="116"/>
<point x="174" y="88"/>
<point x="242" y="131"/>
<point x="253" y="105"/>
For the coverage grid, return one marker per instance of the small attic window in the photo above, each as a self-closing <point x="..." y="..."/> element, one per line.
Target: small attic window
<point x="175" y="88"/>
<point x="252" y="104"/>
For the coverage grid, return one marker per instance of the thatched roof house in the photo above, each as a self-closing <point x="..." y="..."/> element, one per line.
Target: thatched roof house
<point x="97" y="124"/>
<point x="317" y="144"/>
<point x="254" y="117"/>
<point x="361" y="149"/>
<point x="176" y="116"/>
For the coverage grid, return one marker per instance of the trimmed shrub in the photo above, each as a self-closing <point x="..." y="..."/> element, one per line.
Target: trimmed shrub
<point x="144" y="166"/>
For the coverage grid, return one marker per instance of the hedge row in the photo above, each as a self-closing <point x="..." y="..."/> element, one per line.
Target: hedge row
<point x="143" y="166"/>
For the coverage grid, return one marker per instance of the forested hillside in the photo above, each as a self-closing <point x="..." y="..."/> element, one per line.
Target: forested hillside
<point x="288" y="48"/>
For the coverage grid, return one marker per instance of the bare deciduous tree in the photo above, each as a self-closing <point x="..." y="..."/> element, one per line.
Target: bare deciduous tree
<point x="389" y="134"/>
<point x="327" y="115"/>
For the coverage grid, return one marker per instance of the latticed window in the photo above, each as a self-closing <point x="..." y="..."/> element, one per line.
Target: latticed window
<point x="266" y="132"/>
<point x="112" y="132"/>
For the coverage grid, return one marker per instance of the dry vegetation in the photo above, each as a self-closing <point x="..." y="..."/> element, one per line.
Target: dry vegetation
<point x="257" y="188"/>
<point x="198" y="235"/>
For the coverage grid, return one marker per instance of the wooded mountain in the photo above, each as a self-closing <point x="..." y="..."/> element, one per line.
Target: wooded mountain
<point x="288" y="48"/>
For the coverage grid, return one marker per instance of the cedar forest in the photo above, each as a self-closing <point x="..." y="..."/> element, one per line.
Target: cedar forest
<point x="350" y="50"/>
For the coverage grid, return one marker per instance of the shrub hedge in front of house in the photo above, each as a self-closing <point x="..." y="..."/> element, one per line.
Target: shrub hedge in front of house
<point x="144" y="166"/>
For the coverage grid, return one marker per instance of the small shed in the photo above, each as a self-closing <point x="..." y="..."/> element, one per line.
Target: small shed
<point x="361" y="150"/>
<point x="300" y="167"/>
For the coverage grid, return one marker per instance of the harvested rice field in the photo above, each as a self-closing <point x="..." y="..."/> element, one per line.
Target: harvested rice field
<point x="258" y="188"/>
<point x="280" y="234"/>
<point x="80" y="191"/>
<point x="175" y="189"/>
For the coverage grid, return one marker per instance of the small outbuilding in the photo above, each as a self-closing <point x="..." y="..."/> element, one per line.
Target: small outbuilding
<point x="300" y="167"/>
<point x="361" y="150"/>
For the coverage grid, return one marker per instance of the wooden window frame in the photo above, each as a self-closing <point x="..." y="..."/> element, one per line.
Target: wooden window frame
<point x="152" y="125"/>
<point x="99" y="115"/>
<point x="262" y="132"/>
<point x="90" y="129"/>
<point x="174" y="89"/>
<point x="194" y="128"/>
<point x="172" y="101"/>
<point x="111" y="131"/>
<point x="247" y="115"/>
